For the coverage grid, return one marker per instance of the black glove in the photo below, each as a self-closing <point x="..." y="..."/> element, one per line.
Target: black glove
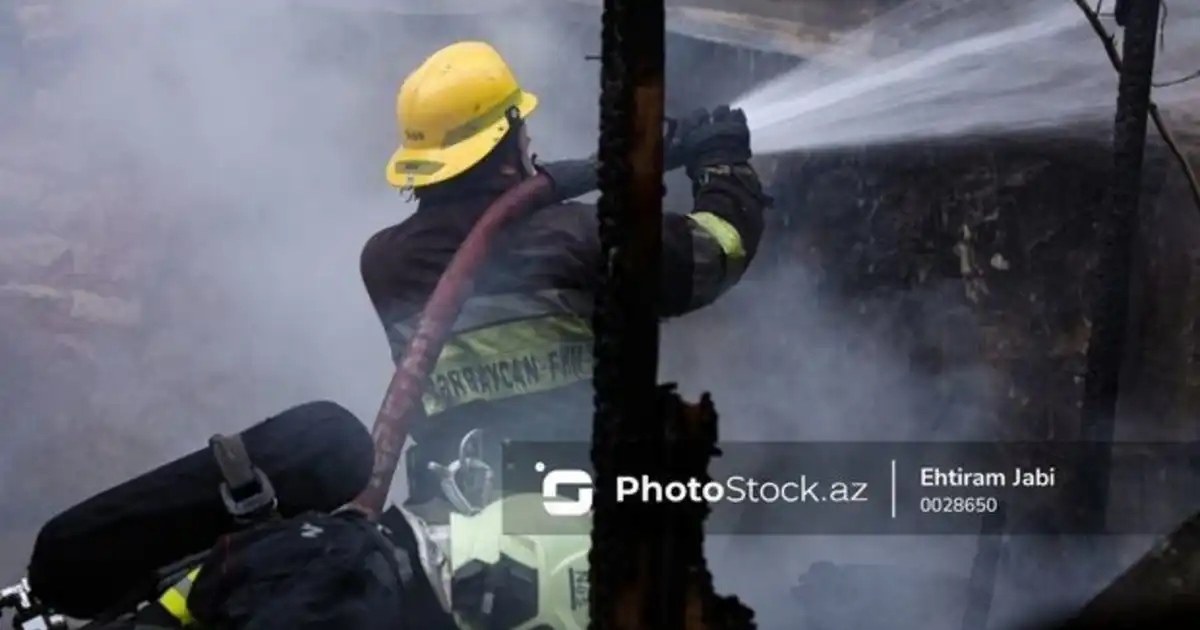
<point x="717" y="147"/>
<point x="719" y="138"/>
<point x="572" y="178"/>
<point x="717" y="150"/>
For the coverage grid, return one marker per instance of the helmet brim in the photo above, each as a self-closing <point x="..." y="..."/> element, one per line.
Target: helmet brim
<point x="416" y="168"/>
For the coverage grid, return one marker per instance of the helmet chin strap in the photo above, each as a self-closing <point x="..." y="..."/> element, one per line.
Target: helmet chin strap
<point x="527" y="160"/>
<point x="529" y="163"/>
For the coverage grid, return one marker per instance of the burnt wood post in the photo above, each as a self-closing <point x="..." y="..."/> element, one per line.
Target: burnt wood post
<point x="647" y="561"/>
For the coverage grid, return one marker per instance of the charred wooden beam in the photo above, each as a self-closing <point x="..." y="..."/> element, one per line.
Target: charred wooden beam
<point x="652" y="573"/>
<point x="647" y="560"/>
<point x="628" y="558"/>
<point x="1110" y="311"/>
<point x="630" y="207"/>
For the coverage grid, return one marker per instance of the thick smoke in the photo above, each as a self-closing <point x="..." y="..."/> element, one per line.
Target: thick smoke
<point x="254" y="138"/>
<point x="785" y="365"/>
<point x="258" y="132"/>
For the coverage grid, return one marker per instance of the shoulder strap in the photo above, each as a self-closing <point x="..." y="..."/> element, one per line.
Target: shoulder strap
<point x="246" y="491"/>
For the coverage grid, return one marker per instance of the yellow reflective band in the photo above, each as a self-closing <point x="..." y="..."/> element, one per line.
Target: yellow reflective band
<point x="511" y="359"/>
<point x="417" y="167"/>
<point x="175" y="599"/>
<point x="722" y="232"/>
<point x="176" y="604"/>
<point x="492" y="116"/>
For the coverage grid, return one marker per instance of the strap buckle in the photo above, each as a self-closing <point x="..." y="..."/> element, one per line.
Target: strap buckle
<point x="28" y="612"/>
<point x="472" y="465"/>
<point x="242" y="479"/>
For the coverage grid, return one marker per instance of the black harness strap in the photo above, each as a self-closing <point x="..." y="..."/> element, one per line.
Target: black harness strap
<point x="246" y="491"/>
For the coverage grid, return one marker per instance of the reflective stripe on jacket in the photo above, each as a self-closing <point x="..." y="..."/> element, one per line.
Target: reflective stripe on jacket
<point x="508" y="345"/>
<point x="174" y="600"/>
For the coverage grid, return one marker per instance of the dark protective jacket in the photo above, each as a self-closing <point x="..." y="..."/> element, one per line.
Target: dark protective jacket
<point x="520" y="360"/>
<point x="313" y="571"/>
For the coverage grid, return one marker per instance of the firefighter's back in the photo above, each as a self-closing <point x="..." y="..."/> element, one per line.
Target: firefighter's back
<point x="518" y="364"/>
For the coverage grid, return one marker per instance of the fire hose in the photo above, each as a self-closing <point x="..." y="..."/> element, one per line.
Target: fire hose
<point x="403" y="397"/>
<point x="402" y="400"/>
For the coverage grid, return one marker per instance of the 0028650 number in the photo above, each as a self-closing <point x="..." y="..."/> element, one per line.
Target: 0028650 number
<point x="959" y="505"/>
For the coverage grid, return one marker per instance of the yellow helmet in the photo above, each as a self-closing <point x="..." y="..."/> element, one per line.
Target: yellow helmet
<point x="452" y="111"/>
<point x="519" y="581"/>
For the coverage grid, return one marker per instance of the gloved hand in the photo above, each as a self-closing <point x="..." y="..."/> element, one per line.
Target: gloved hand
<point x="717" y="149"/>
<point x="719" y="138"/>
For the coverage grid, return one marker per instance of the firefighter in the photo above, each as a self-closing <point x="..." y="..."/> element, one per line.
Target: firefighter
<point x="519" y="363"/>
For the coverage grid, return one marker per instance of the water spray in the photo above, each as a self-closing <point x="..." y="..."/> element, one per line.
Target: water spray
<point x="973" y="70"/>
